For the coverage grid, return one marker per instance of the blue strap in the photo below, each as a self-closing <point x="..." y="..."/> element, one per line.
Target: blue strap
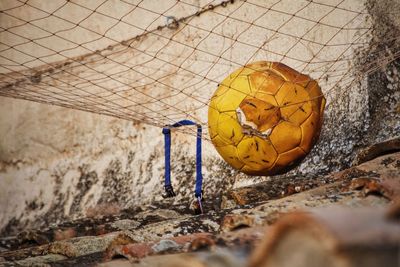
<point x="199" y="177"/>
<point x="169" y="192"/>
<point x="167" y="151"/>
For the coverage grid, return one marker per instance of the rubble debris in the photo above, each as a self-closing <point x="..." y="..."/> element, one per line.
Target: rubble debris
<point x="334" y="236"/>
<point x="224" y="236"/>
<point x="245" y="238"/>
<point x="39" y="260"/>
<point x="202" y="243"/>
<point x="121" y="239"/>
<point x="136" y="251"/>
<point x="370" y="186"/>
<point x="79" y="228"/>
<point x="34" y="237"/>
<point x="383" y="177"/>
<point x="82" y="245"/>
<point x="339" y="192"/>
<point x="236" y="221"/>
<point x="129" y="219"/>
<point x="376" y="150"/>
<point x="269" y="190"/>
<point x="85" y="260"/>
<point x="14" y="255"/>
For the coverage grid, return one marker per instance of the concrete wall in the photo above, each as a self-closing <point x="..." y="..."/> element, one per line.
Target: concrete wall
<point x="58" y="163"/>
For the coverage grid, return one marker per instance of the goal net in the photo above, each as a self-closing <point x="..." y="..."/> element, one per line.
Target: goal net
<point x="158" y="62"/>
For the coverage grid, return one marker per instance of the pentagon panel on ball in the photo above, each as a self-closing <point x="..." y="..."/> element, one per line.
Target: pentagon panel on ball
<point x="265" y="117"/>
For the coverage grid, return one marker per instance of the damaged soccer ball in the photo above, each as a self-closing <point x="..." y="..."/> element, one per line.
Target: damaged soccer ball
<point x="265" y="117"/>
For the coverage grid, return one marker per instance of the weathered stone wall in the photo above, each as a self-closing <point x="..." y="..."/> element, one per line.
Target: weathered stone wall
<point x="370" y="111"/>
<point x="57" y="163"/>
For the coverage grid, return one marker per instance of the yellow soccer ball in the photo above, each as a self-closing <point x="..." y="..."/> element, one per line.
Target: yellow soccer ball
<point x="265" y="117"/>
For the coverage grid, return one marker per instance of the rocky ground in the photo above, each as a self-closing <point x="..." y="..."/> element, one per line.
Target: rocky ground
<point x="59" y="164"/>
<point x="238" y="226"/>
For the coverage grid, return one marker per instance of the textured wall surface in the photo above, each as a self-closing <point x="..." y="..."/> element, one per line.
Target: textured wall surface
<point x="57" y="163"/>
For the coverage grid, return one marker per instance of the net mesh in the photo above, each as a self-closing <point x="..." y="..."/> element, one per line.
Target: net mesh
<point x="158" y="62"/>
